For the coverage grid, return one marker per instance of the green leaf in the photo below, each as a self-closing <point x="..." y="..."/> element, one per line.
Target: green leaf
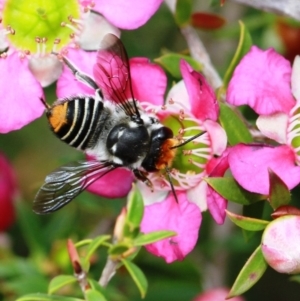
<point x="145" y="239"/>
<point x="235" y="128"/>
<point x="232" y="191"/>
<point x="97" y="287"/>
<point x="295" y="278"/>
<point x="279" y="194"/>
<point x="244" y="45"/>
<point x="247" y="223"/>
<point x="93" y="246"/>
<point x="59" y="282"/>
<point x="170" y="62"/>
<point x="45" y="297"/>
<point x="135" y="210"/>
<point x="93" y="295"/>
<point x="183" y="12"/>
<point x="119" y="249"/>
<point x="250" y="273"/>
<point x="137" y="275"/>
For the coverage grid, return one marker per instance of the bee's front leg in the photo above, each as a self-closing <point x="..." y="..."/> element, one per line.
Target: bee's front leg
<point x="142" y="176"/>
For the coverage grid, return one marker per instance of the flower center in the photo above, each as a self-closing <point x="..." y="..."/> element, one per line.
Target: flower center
<point x="40" y="22"/>
<point x="188" y="167"/>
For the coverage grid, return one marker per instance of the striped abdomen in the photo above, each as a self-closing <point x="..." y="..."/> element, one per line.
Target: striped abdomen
<point x="77" y="121"/>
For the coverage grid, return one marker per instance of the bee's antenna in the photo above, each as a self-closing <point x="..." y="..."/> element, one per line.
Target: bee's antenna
<point x="171" y="184"/>
<point x="47" y="106"/>
<point x="188" y="140"/>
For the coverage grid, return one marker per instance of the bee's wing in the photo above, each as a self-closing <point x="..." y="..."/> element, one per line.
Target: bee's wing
<point x="64" y="184"/>
<point x="112" y="74"/>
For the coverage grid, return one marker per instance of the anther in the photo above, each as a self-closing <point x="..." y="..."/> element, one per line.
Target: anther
<point x="3" y="55"/>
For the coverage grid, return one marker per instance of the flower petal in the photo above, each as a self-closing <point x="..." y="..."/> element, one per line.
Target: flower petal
<point x="249" y="166"/>
<point x="46" y="69"/>
<point x="262" y="80"/>
<point x="149" y="81"/>
<point x="274" y="126"/>
<point x="217" y="135"/>
<point x="115" y="184"/>
<point x="67" y="85"/>
<point x="202" y="98"/>
<point x="296" y="78"/>
<point x="216" y="205"/>
<point x="182" y="217"/>
<point x="118" y="11"/>
<point x="95" y="27"/>
<point x="21" y="94"/>
<point x="281" y="244"/>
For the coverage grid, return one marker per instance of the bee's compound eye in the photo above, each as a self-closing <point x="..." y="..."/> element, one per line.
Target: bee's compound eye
<point x="114" y="135"/>
<point x="162" y="134"/>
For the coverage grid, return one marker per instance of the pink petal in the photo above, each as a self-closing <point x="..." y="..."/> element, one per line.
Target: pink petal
<point x="281" y="244"/>
<point x="149" y="81"/>
<point x="183" y="218"/>
<point x="217" y="136"/>
<point x="249" y="166"/>
<point x="67" y="85"/>
<point x="262" y="80"/>
<point x="216" y="205"/>
<point x="21" y="94"/>
<point x="202" y="97"/>
<point x="215" y="202"/>
<point x="115" y="184"/>
<point x="127" y="14"/>
<point x="274" y="126"/>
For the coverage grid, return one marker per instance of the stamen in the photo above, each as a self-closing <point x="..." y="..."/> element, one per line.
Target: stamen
<point x="73" y="28"/>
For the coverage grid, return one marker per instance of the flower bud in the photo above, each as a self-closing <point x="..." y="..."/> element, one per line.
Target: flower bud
<point x="281" y="244"/>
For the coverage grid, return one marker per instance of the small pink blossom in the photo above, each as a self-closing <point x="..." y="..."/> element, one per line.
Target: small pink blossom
<point x="40" y="67"/>
<point x="281" y="244"/>
<point x="274" y="95"/>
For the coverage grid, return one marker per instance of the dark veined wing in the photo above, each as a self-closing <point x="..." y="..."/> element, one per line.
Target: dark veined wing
<point x="64" y="184"/>
<point x="112" y="74"/>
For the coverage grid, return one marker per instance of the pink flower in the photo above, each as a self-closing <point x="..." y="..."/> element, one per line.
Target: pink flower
<point x="29" y="63"/>
<point x="281" y="244"/>
<point x="216" y="294"/>
<point x="7" y="194"/>
<point x="196" y="113"/>
<point x="273" y="92"/>
<point x="194" y="102"/>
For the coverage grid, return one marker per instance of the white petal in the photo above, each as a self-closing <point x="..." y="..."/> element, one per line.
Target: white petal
<point x="95" y="27"/>
<point x="296" y="78"/>
<point x="274" y="126"/>
<point x="179" y="94"/>
<point x="197" y="195"/>
<point x="45" y="69"/>
<point x="149" y="196"/>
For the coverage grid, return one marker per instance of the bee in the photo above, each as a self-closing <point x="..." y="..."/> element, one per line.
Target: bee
<point x="110" y="127"/>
